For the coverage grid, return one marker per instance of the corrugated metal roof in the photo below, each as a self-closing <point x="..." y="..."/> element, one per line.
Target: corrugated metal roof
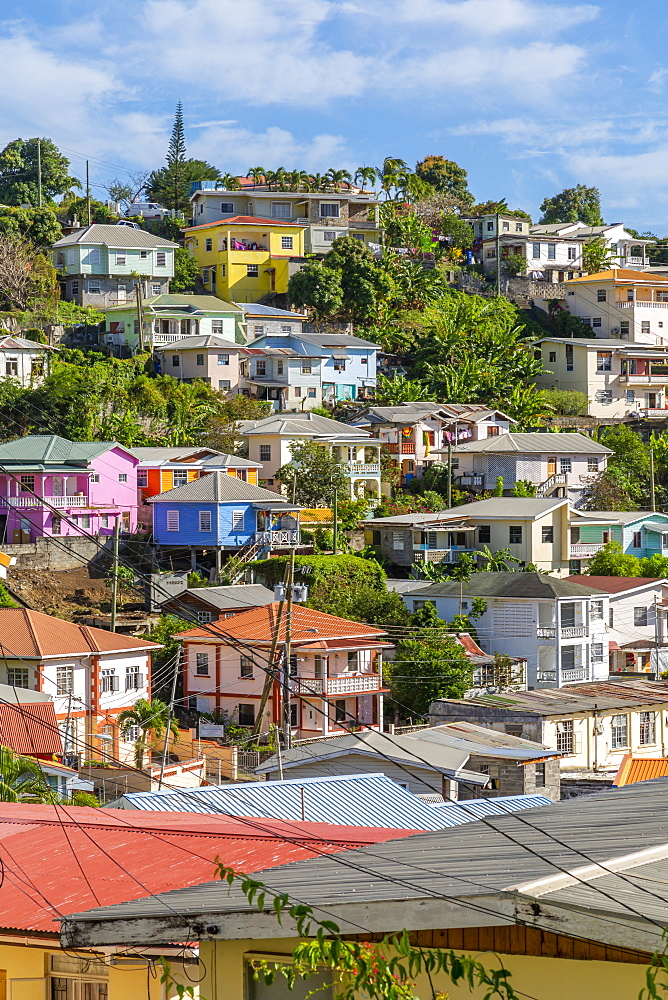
<point x="570" y="699"/>
<point x="207" y="340"/>
<point x="32" y="634"/>
<point x="307" y="625"/>
<point x="455" y="863"/>
<point x="11" y="343"/>
<point x="637" y="889"/>
<point x="360" y="800"/>
<point x="217" y="487"/>
<point x="301" y="424"/>
<point x="536" y="444"/>
<point x="114" y="236"/>
<point x="616" y="584"/>
<point x="532" y="586"/>
<point x="481" y="741"/>
<point x="30" y="728"/>
<point x="501" y="805"/>
<point x="85" y="857"/>
<point x="234" y="596"/>
<point x="633" y="769"/>
<point x="520" y="508"/>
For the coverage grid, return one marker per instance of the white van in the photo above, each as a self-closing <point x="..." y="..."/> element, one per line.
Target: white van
<point x="148" y="209"/>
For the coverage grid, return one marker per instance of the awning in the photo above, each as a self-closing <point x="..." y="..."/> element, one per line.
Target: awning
<point x="276" y="505"/>
<point x="339" y="356"/>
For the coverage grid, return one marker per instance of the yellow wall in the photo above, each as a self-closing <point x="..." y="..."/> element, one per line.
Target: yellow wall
<point x="543" y="978"/>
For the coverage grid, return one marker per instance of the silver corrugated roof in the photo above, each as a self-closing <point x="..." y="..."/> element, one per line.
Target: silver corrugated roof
<point x="568" y="700"/>
<point x="114" y="236"/>
<point x="198" y="343"/>
<point x="238" y="596"/>
<point x="535" y="444"/>
<point x="522" y="508"/>
<point x="215" y="487"/>
<point x="359" y="799"/>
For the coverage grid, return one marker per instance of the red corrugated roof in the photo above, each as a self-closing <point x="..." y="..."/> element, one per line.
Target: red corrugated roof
<point x="259" y="625"/>
<point x="30" y="729"/>
<point x="34" y="635"/>
<point x="633" y="769"/>
<point x="613" y="584"/>
<point x="79" y="858"/>
<point x="470" y="645"/>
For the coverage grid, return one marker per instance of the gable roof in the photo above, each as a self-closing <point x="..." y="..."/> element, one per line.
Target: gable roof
<point x="616" y="584"/>
<point x="405" y="413"/>
<point x="12" y="343"/>
<point x="308" y="626"/>
<point x="568" y="700"/>
<point x="335" y="340"/>
<point x="246" y="220"/>
<point x="484" y="742"/>
<point x="633" y="769"/>
<point x="520" y="508"/>
<point x="180" y="453"/>
<point x="49" y="450"/>
<point x="299" y="424"/>
<point x="179" y="304"/>
<point x="30" y="728"/>
<point x="201" y="342"/>
<point x="531" y="586"/>
<point x="217" y="487"/>
<point x="623" y="275"/>
<point x="74" y="858"/>
<point x="269" y="312"/>
<point x="114" y="236"/>
<point x="235" y="596"/>
<point x="532" y="444"/>
<point x="33" y="635"/>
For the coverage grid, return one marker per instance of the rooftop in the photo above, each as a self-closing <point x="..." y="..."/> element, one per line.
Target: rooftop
<point x="532" y="444"/>
<point x="531" y="586"/>
<point x="200" y="343"/>
<point x="46" y="451"/>
<point x="11" y="343"/>
<point x="30" y="728"/>
<point x="624" y="276"/>
<point x="217" y="487"/>
<point x="238" y="596"/>
<point x="480" y="741"/>
<point x="571" y="699"/>
<point x="308" y="626"/>
<point x="114" y="236"/>
<point x="173" y="303"/>
<point x="34" y="635"/>
<point x="299" y="424"/>
<point x="246" y="220"/>
<point x="253" y="309"/>
<point x="616" y="584"/>
<point x="518" y="508"/>
<point x="633" y="769"/>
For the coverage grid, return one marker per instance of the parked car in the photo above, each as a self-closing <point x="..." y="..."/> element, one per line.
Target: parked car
<point x="149" y="209"/>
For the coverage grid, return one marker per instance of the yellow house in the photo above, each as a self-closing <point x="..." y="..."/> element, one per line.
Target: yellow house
<point x="565" y="900"/>
<point x="245" y="258"/>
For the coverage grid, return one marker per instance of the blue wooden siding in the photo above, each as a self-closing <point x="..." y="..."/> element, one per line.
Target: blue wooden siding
<point x="189" y="533"/>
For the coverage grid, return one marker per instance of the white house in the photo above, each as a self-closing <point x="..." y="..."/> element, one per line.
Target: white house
<point x="557" y="626"/>
<point x="24" y="361"/>
<point x="622" y="302"/>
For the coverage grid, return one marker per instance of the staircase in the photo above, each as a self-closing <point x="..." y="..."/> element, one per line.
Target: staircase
<point x="558" y="479"/>
<point x="252" y="550"/>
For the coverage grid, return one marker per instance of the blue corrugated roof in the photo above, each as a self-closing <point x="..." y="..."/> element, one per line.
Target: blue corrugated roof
<point x="353" y="800"/>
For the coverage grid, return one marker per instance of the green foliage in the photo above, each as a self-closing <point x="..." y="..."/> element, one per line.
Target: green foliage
<point x="567" y="402"/>
<point x="655" y="566"/>
<point x="445" y="176"/>
<point x="628" y="466"/>
<point x="608" y="491"/>
<point x="151" y="717"/>
<point x="125" y="578"/>
<point x="312" y="475"/>
<point x="6" y="599"/>
<point x="171" y="184"/>
<point x="21" y="779"/>
<point x="19" y="174"/>
<point x="498" y="488"/>
<point x="398" y="389"/>
<point x="611" y="560"/>
<point x="38" y="226"/>
<point x="186" y="271"/>
<point x="222" y="431"/>
<point x="72" y="208"/>
<point x="163" y="633"/>
<point x="83" y="799"/>
<point x="363" y="283"/>
<point x="576" y="204"/>
<point x="514" y="264"/>
<point x="496" y="562"/>
<point x="524" y="488"/>
<point x="597" y="255"/>
<point x="426" y="669"/>
<point x="317" y="288"/>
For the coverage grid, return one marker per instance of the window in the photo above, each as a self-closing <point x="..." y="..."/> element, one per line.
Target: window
<point x="200" y="359"/>
<point x="286" y="242"/>
<point x="173" y="520"/>
<point x="297" y="392"/>
<point x="64" y="680"/>
<point x="597" y="651"/>
<point x="247" y="715"/>
<point x="56" y="524"/>
<point x="204" y="617"/>
<point x="551" y="251"/>
<point x="143" y="254"/>
<point x="281" y="210"/>
<point x="265" y="452"/>
<point x="565" y="465"/>
<point x="260" y="367"/>
<point x="624" y="330"/>
<point x="329" y="237"/>
<point x="601" y="295"/>
<point x="596" y="321"/>
<point x="398" y="541"/>
<point x="630" y="396"/>
<point x="223" y="359"/>
<point x="664" y="541"/>
<point x="223" y="270"/>
<point x="155" y="289"/>
<point x="603" y="396"/>
<point x="246" y="667"/>
<point x="132" y="734"/>
<point x="237" y="520"/>
<point x="227" y="207"/>
<point x="535" y="251"/>
<point x="592" y="465"/>
<point x="142" y="477"/>
<point x="205" y="520"/>
<point x="515" y="534"/>
<point x="120" y="259"/>
<point x="122" y="477"/>
<point x="569" y="358"/>
<point x="109" y="681"/>
<point x="490" y="227"/>
<point x="179" y="477"/>
<point x="329" y="210"/>
<point x="340" y="710"/>
<point x="547" y="533"/>
<point x="208" y="244"/>
<point x="74" y="287"/>
<point x="518" y="227"/>
<point x="252" y="270"/>
<point x="307" y="367"/>
<point x="505" y="226"/>
<point x="640" y="617"/>
<point x="540" y="775"/>
<point x="644" y="326"/>
<point x="565" y="736"/>
<point x="161" y="259"/>
<point x="572" y="253"/>
<point x="224" y="383"/>
<point x="604" y="361"/>
<point x="202" y="664"/>
<point x="647" y="728"/>
<point x="596" y="611"/>
<point x="352" y="661"/>
<point x="552" y="356"/>
<point x="484" y="533"/>
<point x="84" y="520"/>
<point x="258" y="331"/>
<point x="133" y="679"/>
<point x="619" y="732"/>
<point x="637" y="540"/>
<point x="27" y="484"/>
<point x="94" y="477"/>
<point x="286" y="329"/>
<point x="17" y="677"/>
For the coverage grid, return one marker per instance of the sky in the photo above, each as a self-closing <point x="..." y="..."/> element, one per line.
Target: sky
<point x="529" y="96"/>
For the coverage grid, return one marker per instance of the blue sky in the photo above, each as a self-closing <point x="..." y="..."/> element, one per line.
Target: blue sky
<point x="529" y="96"/>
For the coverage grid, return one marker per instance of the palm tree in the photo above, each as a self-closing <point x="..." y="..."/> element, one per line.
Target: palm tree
<point x="318" y="182"/>
<point x="339" y="177"/>
<point x="365" y="175"/>
<point x="257" y="174"/>
<point x="281" y="178"/>
<point x="230" y="182"/>
<point x="149" y="717"/>
<point x="21" y="779"/>
<point x="497" y="562"/>
<point x="297" y="179"/>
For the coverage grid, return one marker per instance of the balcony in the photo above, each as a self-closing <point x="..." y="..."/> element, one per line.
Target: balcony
<point x="407" y="448"/>
<point x="652" y="379"/>
<point x="63" y="502"/>
<point x="585" y="550"/>
<point x="336" y="686"/>
<point x="368" y="469"/>
<point x="568" y="632"/>
<point x="439" y="555"/>
<point x="276" y="538"/>
<point x="654" y="414"/>
<point x="578" y="674"/>
<point x="640" y="304"/>
<point x="167" y="338"/>
<point x="362" y="224"/>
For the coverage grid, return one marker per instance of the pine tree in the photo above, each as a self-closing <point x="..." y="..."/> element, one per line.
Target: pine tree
<point x="176" y="153"/>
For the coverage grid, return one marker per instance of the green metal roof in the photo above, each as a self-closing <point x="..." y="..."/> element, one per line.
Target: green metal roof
<point x="49" y="450"/>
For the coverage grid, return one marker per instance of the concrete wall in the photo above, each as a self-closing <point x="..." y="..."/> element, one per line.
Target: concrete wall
<point x="66" y="553"/>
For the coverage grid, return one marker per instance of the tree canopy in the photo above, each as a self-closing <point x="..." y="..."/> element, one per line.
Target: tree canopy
<point x="313" y="475"/>
<point x="433" y="666"/>
<point x="445" y="176"/>
<point x="19" y="174"/>
<point x="576" y="204"/>
<point x="172" y="182"/>
<point x="186" y="271"/>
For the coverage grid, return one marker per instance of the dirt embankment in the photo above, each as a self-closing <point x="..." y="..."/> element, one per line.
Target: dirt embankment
<point x="68" y="594"/>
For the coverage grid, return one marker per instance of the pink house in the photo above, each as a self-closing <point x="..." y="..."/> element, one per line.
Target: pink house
<point x="52" y="486"/>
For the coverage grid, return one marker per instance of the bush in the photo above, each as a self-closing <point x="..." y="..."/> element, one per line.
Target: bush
<point x="566" y="402"/>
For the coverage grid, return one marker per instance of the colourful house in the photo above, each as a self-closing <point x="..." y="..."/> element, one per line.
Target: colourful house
<point x="641" y="533"/>
<point x="170" y="318"/>
<point x="244" y="258"/>
<point x="52" y="486"/>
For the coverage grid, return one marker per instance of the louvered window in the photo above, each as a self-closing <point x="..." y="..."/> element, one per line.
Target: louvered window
<point x="172" y="520"/>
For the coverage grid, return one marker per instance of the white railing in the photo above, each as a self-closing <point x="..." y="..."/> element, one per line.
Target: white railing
<point x="546" y="633"/>
<point x="640" y="304"/>
<point x="645" y="379"/>
<point x="439" y="555"/>
<point x="568" y="632"/>
<point x="41" y="502"/>
<point x="636" y="260"/>
<point x="370" y="469"/>
<point x="282" y="536"/>
<point x="579" y="674"/>
<point x="583" y="550"/>
<point x="558" y="479"/>
<point x="168" y="338"/>
<point x="348" y="684"/>
<point x="654" y="413"/>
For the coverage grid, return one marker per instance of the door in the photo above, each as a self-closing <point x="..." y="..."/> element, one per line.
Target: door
<point x="57" y="486"/>
<point x="651" y="401"/>
<point x="551" y="466"/>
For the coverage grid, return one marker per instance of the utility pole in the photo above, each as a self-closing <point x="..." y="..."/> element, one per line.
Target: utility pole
<point x="279" y="759"/>
<point x="39" y="173"/>
<point x="114" y="579"/>
<point x="177" y="664"/>
<point x="270" y="677"/>
<point x="652" y="491"/>
<point x="498" y="256"/>
<point x="88" y="192"/>
<point x="140" y="318"/>
<point x="335" y="515"/>
<point x="287" y="714"/>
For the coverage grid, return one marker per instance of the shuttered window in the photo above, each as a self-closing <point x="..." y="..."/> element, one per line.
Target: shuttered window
<point x="172" y="520"/>
<point x="205" y="520"/>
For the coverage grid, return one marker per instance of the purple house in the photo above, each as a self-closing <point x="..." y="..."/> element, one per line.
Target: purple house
<point x="52" y="486"/>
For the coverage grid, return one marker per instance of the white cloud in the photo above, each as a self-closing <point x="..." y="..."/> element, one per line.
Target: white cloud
<point x="492" y="17"/>
<point x="240" y="148"/>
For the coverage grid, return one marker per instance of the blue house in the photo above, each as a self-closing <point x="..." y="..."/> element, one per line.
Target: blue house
<point x="348" y="364"/>
<point x="219" y="511"/>
<point x="641" y="533"/>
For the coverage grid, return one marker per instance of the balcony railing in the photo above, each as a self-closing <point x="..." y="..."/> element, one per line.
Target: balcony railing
<point x="348" y="684"/>
<point x="654" y="413"/>
<point x="168" y="338"/>
<point x="577" y="674"/>
<point x="649" y="379"/>
<point x="439" y="555"/>
<point x="278" y="537"/>
<point x="640" y="304"/>
<point x="368" y="469"/>
<point x="407" y="448"/>
<point x="568" y="632"/>
<point x="584" y="550"/>
<point x="65" y="502"/>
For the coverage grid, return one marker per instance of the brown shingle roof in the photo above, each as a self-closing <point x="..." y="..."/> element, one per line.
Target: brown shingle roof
<point x="33" y="635"/>
<point x="308" y="626"/>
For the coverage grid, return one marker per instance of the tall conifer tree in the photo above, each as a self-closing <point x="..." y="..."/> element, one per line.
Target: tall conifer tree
<point x="176" y="154"/>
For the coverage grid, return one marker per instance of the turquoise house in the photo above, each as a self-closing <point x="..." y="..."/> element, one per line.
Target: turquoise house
<point x="641" y="533"/>
<point x="168" y="318"/>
